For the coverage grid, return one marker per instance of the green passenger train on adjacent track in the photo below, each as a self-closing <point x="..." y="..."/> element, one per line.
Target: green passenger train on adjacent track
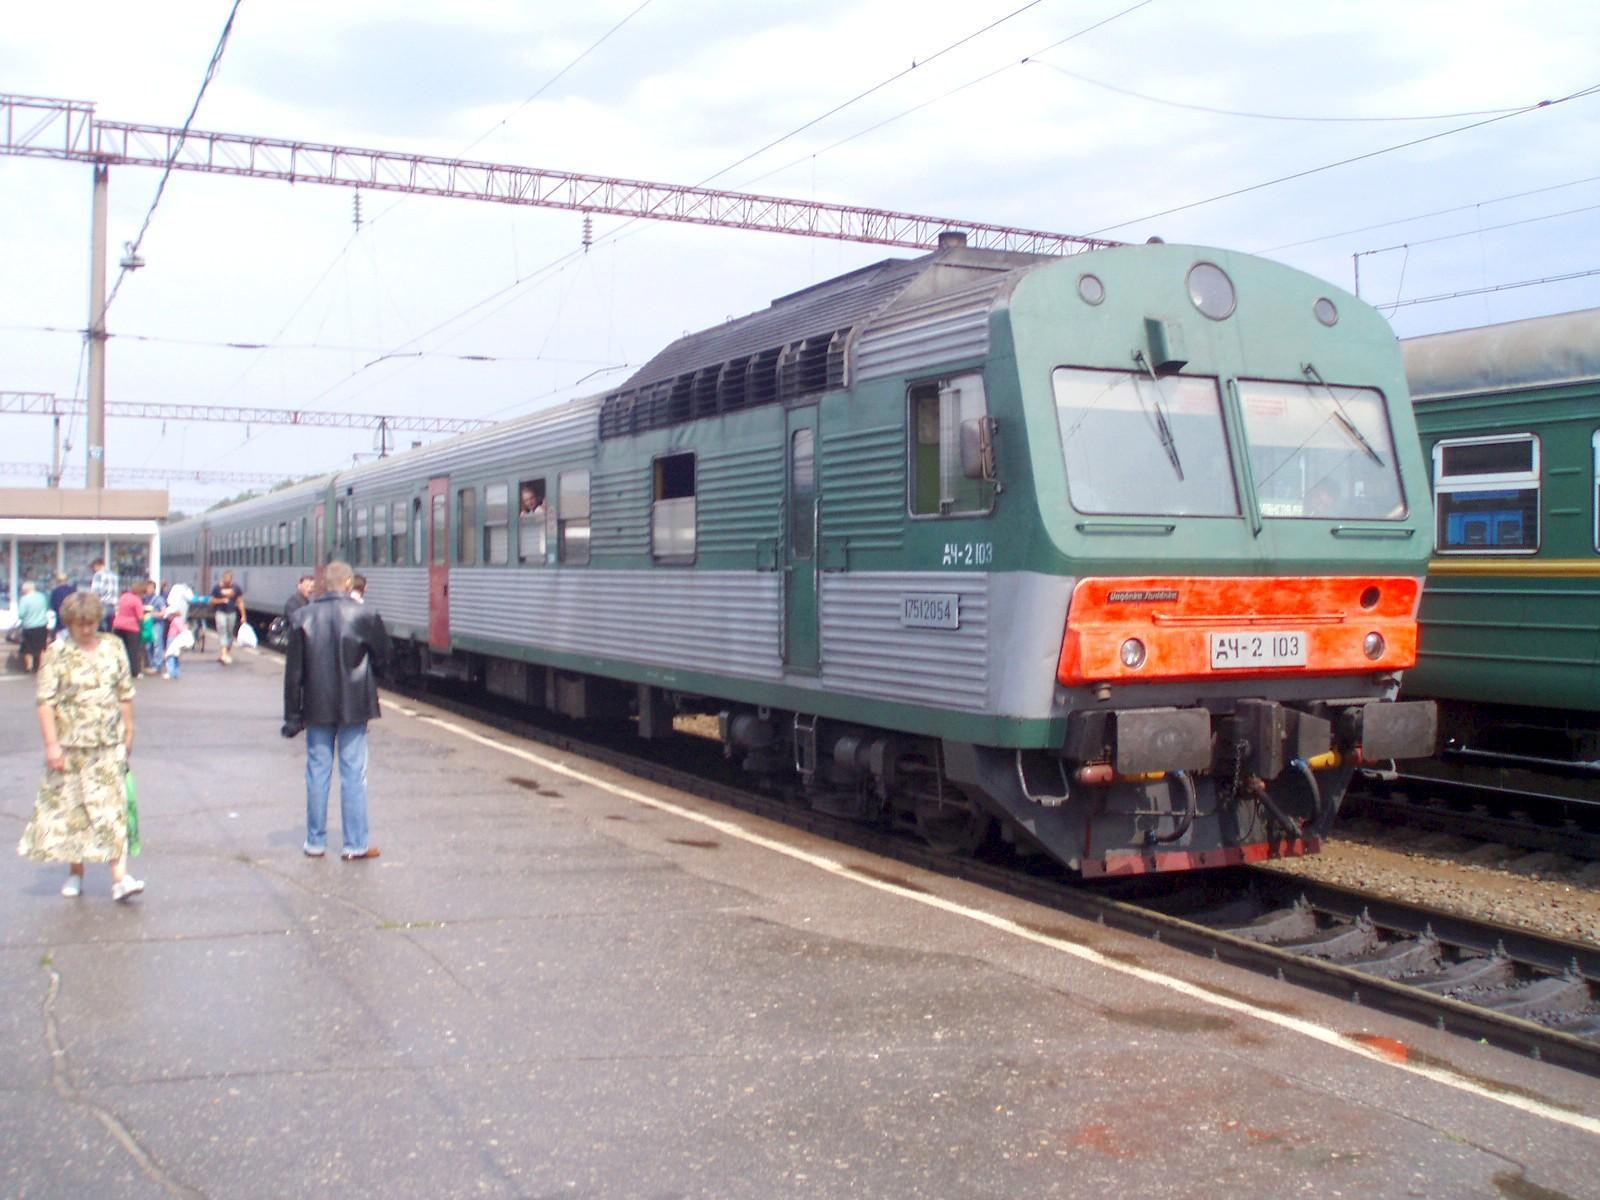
<point x="1510" y="419"/>
<point x="1115" y="557"/>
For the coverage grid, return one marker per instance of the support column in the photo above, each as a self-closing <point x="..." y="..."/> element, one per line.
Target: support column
<point x="96" y="467"/>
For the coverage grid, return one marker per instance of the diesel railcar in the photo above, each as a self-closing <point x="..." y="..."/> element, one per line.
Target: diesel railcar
<point x="1117" y="556"/>
<point x="1510" y="418"/>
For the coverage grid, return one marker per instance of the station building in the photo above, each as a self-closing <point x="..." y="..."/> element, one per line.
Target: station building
<point x="48" y="530"/>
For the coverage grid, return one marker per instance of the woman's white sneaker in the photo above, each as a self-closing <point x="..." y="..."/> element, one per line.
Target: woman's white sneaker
<point x="126" y="887"/>
<point x="73" y="887"/>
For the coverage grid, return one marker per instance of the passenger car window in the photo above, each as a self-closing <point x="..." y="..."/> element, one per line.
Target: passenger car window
<point x="466" y="526"/>
<point x="1486" y="494"/>
<point x="531" y="517"/>
<point x="573" y="513"/>
<point x="672" y="508"/>
<point x="496" y="525"/>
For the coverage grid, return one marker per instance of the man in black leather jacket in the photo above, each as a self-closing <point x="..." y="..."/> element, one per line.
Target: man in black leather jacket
<point x="330" y="690"/>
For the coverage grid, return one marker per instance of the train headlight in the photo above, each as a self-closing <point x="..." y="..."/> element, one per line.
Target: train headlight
<point x="1373" y="645"/>
<point x="1133" y="654"/>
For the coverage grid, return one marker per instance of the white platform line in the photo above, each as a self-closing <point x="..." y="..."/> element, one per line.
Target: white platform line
<point x="1193" y="991"/>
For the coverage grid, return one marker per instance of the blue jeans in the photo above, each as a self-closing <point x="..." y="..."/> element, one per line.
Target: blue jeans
<point x="352" y="745"/>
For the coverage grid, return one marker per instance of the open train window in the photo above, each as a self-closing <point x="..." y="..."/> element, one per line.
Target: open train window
<point x="1486" y="494"/>
<point x="496" y="525"/>
<point x="572" y="501"/>
<point x="531" y="514"/>
<point x="672" y="509"/>
<point x="466" y="526"/>
<point x="945" y="480"/>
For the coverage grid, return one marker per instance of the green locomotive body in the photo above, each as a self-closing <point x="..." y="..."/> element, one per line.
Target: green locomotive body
<point x="1117" y="554"/>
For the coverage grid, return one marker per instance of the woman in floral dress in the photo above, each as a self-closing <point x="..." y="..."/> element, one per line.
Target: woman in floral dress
<point x="85" y="694"/>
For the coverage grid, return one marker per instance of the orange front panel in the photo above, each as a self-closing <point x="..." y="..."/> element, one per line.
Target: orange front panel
<point x="1175" y="616"/>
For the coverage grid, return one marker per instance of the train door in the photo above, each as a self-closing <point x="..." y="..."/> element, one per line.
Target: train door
<point x="439" y="563"/>
<point x="801" y="651"/>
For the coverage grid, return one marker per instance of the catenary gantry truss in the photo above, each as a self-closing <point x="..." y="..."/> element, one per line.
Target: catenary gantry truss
<point x="37" y="127"/>
<point x="50" y="405"/>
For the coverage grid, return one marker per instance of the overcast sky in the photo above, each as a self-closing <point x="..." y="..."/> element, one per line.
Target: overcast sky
<point x="1161" y="107"/>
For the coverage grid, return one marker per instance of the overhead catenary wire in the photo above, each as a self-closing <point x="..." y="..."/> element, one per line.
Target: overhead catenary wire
<point x="1484" y="291"/>
<point x="161" y="186"/>
<point x="1256" y="187"/>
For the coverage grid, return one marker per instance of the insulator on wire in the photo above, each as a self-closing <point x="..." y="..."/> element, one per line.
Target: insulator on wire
<point x="588" y="232"/>
<point x="358" y="209"/>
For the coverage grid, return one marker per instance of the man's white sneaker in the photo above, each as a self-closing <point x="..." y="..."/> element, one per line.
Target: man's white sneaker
<point x="73" y="887"/>
<point x="126" y="887"/>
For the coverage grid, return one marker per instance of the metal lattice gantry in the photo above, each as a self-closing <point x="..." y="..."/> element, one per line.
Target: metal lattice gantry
<point x="50" y="405"/>
<point x="147" y="474"/>
<point x="39" y="127"/>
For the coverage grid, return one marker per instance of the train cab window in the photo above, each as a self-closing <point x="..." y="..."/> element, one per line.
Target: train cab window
<point x="1486" y="494"/>
<point x="672" y="509"/>
<point x="358" y="543"/>
<point x="572" y="510"/>
<point x="943" y="413"/>
<point x="1321" y="451"/>
<point x="531" y="521"/>
<point x="802" y="493"/>
<point x="466" y="526"/>
<point x="496" y="525"/>
<point x="397" y="533"/>
<point x="1137" y="445"/>
<point x="380" y="534"/>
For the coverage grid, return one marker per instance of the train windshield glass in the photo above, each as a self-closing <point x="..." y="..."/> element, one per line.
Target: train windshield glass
<point x="1321" y="451"/>
<point x="1141" y="446"/>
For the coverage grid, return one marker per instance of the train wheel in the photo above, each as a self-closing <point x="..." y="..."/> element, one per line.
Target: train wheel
<point x="953" y="824"/>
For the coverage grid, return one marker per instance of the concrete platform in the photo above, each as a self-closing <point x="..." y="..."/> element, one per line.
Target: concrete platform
<point x="557" y="981"/>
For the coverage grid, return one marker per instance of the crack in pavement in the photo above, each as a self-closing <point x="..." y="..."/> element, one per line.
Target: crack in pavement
<point x="114" y="1126"/>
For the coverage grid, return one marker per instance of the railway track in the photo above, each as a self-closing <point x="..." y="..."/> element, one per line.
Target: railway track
<point x="1530" y="994"/>
<point x="1524" y="820"/>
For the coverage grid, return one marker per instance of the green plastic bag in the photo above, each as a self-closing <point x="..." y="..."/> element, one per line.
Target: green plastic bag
<point x="133" y="812"/>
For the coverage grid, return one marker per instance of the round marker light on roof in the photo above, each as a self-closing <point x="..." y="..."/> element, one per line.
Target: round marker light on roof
<point x="1133" y="654"/>
<point x="1327" y="312"/>
<point x="1373" y="645"/>
<point x="1212" y="291"/>
<point x="1091" y="289"/>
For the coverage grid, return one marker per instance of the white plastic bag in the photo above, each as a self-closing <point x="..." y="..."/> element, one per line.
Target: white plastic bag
<point x="247" y="636"/>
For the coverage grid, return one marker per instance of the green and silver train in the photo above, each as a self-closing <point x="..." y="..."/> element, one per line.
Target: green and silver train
<point x="1510" y="418"/>
<point x="1116" y="557"/>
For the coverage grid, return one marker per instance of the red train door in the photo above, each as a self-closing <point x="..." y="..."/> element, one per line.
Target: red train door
<point x="439" y="563"/>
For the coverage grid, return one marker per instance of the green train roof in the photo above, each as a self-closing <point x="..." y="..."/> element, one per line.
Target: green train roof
<point x="1513" y="356"/>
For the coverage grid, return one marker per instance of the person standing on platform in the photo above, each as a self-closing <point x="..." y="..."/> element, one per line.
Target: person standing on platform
<point x="330" y="690"/>
<point x="358" y="589"/>
<point x="155" y="627"/>
<point x="128" y="624"/>
<point x="33" y="614"/>
<point x="85" y="697"/>
<point x="64" y="588"/>
<point x="227" y="605"/>
<point x="108" y="587"/>
<point x="300" y="597"/>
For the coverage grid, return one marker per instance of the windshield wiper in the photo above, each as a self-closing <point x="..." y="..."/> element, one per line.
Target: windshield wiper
<point x="1163" y="429"/>
<point x="1341" y="416"/>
